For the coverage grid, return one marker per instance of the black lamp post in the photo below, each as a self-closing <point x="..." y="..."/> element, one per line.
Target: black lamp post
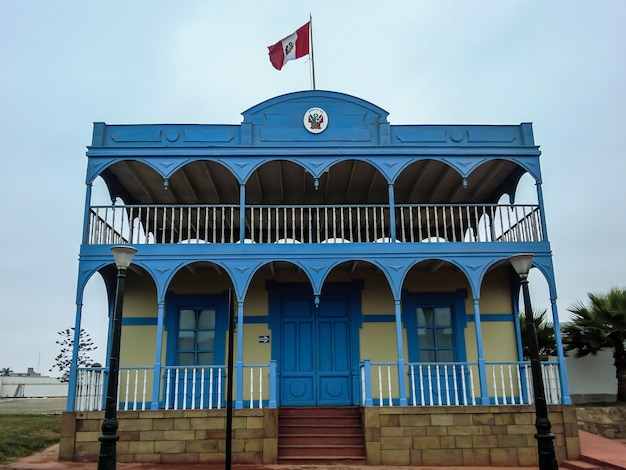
<point x="106" y="460"/>
<point x="545" y="438"/>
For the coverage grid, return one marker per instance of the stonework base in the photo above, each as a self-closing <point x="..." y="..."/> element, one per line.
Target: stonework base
<point x="436" y="436"/>
<point x="473" y="435"/>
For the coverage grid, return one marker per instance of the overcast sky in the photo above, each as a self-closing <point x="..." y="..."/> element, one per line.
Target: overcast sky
<point x="65" y="64"/>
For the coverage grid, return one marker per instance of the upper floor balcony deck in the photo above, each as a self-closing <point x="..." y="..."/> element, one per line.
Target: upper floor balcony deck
<point x="270" y="181"/>
<point x="227" y="224"/>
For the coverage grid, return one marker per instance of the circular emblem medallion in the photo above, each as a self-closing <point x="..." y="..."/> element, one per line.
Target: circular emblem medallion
<point x="315" y="120"/>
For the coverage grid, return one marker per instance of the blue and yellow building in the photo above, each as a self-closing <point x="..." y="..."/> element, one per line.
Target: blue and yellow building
<point x="368" y="267"/>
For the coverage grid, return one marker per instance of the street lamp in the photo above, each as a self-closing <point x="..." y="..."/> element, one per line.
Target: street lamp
<point x="545" y="438"/>
<point x="123" y="256"/>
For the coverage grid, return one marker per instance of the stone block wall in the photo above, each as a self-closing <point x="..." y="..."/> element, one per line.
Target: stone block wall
<point x="174" y="436"/>
<point x="606" y="421"/>
<point x="418" y="436"/>
<point x="476" y="435"/>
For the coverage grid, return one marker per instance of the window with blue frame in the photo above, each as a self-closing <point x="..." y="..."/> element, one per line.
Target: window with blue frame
<point x="435" y="337"/>
<point x="196" y="336"/>
<point x="435" y="324"/>
<point x="196" y="326"/>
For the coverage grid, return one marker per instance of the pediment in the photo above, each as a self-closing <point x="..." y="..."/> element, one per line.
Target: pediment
<point x="282" y="119"/>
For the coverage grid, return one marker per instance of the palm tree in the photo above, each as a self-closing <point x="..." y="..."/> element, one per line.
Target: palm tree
<point x="600" y="326"/>
<point x="545" y="334"/>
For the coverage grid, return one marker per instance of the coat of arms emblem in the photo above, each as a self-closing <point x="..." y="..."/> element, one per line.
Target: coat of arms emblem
<point x="315" y="120"/>
<point x="288" y="48"/>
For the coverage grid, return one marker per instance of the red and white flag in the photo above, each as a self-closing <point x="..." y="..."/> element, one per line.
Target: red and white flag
<point x="292" y="47"/>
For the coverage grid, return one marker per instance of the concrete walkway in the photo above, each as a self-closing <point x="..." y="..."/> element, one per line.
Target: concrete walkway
<point x="603" y="452"/>
<point x="598" y="451"/>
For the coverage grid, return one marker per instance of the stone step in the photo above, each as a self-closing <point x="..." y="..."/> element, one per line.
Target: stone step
<point x="581" y="465"/>
<point x="320" y="439"/>
<point x="320" y="421"/>
<point x="319" y="429"/>
<point x="322" y="460"/>
<point x="319" y="411"/>
<point x="334" y="451"/>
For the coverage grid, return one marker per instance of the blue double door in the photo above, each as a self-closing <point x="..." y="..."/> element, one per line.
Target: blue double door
<point x="315" y="361"/>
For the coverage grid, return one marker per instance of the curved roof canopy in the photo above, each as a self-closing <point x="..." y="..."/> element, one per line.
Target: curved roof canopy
<point x="281" y="162"/>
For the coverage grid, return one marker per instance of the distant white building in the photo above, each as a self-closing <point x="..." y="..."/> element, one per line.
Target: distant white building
<point x="592" y="378"/>
<point x="31" y="385"/>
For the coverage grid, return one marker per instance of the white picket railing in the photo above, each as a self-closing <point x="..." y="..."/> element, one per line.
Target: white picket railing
<point x="193" y="387"/>
<point x="184" y="388"/>
<point x="90" y="389"/>
<point x="429" y="384"/>
<point x="512" y="382"/>
<point x="457" y="383"/>
<point x="154" y="224"/>
<point x="449" y="384"/>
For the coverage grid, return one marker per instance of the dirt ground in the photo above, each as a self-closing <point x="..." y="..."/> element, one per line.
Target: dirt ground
<point x="32" y="405"/>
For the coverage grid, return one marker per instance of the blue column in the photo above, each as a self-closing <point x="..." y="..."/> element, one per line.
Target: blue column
<point x="392" y="214"/>
<point x="482" y="368"/>
<point x="87" y="213"/>
<point x="242" y="213"/>
<point x="71" y="388"/>
<point x="566" y="398"/>
<point x="516" y="322"/>
<point x="273" y="385"/>
<point x="156" y="379"/>
<point x="239" y="365"/>
<point x="108" y="352"/>
<point x="401" y="371"/>
<point x="542" y="212"/>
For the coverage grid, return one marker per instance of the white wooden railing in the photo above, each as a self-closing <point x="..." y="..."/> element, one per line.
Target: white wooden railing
<point x="90" y="389"/>
<point x="429" y="384"/>
<point x="450" y="384"/>
<point x="456" y="384"/>
<point x="469" y="223"/>
<point x="512" y="382"/>
<point x="153" y="224"/>
<point x="184" y="388"/>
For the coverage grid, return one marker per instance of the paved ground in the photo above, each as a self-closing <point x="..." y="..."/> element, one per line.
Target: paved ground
<point x="32" y="405"/>
<point x="47" y="461"/>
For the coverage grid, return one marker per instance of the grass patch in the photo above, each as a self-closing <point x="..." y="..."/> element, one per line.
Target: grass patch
<point x="22" y="435"/>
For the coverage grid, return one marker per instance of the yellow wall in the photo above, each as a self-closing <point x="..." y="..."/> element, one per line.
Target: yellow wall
<point x="138" y="342"/>
<point x="200" y="279"/>
<point x="140" y="298"/>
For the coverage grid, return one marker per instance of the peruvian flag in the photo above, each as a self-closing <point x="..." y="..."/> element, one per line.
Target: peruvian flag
<point x="292" y="47"/>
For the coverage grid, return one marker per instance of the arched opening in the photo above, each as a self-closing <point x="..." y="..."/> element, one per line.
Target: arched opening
<point x="137" y="342"/>
<point x="440" y="339"/>
<point x="199" y="203"/>
<point x="196" y="319"/>
<point x="348" y="202"/>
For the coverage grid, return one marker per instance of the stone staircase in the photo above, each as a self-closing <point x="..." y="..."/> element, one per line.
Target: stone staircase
<point x="330" y="435"/>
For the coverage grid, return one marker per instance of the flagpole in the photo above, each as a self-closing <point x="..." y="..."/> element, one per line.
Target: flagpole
<point x="311" y="42"/>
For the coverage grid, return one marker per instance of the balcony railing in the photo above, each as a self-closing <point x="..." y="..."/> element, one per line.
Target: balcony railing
<point x="154" y="224"/>
<point x="428" y="384"/>
<point x="182" y="388"/>
<point x="456" y="383"/>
